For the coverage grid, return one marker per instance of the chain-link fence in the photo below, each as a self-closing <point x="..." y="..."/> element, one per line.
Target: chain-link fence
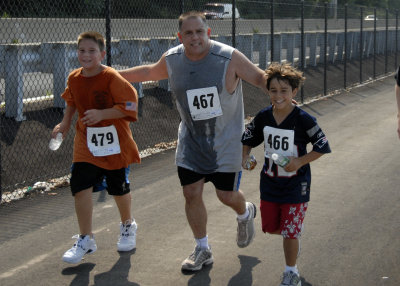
<point x="337" y="47"/>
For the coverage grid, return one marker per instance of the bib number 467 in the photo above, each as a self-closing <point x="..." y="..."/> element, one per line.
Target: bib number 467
<point x="204" y="101"/>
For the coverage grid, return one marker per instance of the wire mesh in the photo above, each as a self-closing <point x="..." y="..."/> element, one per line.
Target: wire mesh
<point x="37" y="52"/>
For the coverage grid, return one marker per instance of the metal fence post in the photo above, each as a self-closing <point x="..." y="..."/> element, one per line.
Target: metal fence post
<point x="182" y="7"/>
<point x="345" y="48"/>
<point x="302" y="51"/>
<point x="325" y="46"/>
<point x="396" y="37"/>
<point x="386" y="40"/>
<point x="361" y="41"/>
<point x="233" y="23"/>
<point x="374" y="68"/>
<point x="272" y="30"/>
<point x="108" y="31"/>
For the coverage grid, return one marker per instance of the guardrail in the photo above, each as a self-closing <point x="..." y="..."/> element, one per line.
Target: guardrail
<point x="59" y="58"/>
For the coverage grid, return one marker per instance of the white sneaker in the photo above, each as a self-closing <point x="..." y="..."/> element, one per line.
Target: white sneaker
<point x="83" y="245"/>
<point x="127" y="237"/>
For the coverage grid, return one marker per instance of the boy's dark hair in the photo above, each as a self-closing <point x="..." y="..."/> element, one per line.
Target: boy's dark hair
<point x="191" y="14"/>
<point x="95" y="36"/>
<point x="285" y="72"/>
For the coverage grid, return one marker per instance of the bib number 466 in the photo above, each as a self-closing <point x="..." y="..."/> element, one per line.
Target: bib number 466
<point x="277" y="142"/>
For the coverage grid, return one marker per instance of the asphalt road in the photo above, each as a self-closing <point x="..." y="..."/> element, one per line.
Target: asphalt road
<point x="351" y="234"/>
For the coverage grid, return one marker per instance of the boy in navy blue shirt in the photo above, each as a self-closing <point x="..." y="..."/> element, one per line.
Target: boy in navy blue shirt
<point x="397" y="90"/>
<point x="286" y="130"/>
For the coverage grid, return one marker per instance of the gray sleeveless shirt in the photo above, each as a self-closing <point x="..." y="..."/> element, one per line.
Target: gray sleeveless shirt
<point x="212" y="119"/>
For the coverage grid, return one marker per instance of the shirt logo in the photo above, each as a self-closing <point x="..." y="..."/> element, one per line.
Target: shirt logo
<point x="129" y="105"/>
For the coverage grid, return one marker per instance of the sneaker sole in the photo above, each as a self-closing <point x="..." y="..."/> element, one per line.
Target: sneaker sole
<point x="71" y="261"/>
<point x="122" y="249"/>
<point x="189" y="268"/>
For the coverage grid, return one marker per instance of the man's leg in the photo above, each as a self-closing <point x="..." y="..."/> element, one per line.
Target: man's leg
<point x="233" y="199"/>
<point x="196" y="215"/>
<point x="246" y="212"/>
<point x="195" y="209"/>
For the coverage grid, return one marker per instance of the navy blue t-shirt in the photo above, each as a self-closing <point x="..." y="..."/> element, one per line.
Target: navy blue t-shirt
<point x="289" y="138"/>
<point x="397" y="76"/>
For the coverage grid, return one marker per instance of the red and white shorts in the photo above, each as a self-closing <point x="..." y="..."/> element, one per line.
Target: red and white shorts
<point x="287" y="218"/>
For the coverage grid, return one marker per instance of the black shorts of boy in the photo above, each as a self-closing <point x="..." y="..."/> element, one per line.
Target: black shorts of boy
<point x="85" y="175"/>
<point x="221" y="181"/>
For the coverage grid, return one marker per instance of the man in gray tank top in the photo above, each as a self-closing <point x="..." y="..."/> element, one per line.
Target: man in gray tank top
<point x="206" y="78"/>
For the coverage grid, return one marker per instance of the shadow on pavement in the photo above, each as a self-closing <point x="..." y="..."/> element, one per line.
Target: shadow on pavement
<point x="304" y="282"/>
<point x="201" y="277"/>
<point x="244" y="277"/>
<point x="81" y="271"/>
<point x="118" y="274"/>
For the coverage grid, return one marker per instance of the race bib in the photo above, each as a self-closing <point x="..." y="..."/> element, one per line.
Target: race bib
<point x="103" y="141"/>
<point x="204" y="103"/>
<point x="279" y="141"/>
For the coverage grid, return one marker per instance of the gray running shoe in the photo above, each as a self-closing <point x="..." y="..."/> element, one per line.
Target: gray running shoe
<point x="290" y="278"/>
<point x="197" y="259"/>
<point x="245" y="229"/>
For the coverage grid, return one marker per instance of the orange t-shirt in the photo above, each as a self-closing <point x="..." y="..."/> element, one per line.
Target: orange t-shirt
<point x="108" y="89"/>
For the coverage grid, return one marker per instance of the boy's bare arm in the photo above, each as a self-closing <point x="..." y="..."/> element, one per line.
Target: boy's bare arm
<point x="94" y="116"/>
<point x="297" y="163"/>
<point x="245" y="155"/>
<point x="64" y="126"/>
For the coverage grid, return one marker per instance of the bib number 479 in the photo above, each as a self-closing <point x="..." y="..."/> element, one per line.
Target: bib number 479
<point x="98" y="139"/>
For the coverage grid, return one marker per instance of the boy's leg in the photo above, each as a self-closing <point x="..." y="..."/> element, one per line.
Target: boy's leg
<point x="124" y="204"/>
<point x="84" y="210"/>
<point x="118" y="187"/>
<point x="291" y="249"/>
<point x="128" y="226"/>
<point x="85" y="243"/>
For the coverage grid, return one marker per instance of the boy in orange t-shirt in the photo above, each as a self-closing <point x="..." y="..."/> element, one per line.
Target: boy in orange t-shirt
<point x="103" y="144"/>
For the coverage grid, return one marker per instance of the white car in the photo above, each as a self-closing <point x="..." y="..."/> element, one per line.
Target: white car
<point x="370" y="18"/>
<point x="220" y="11"/>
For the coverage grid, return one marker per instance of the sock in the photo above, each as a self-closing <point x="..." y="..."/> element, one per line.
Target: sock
<point x="292" y="268"/>
<point x="202" y="242"/>
<point x="243" y="216"/>
<point x="128" y="222"/>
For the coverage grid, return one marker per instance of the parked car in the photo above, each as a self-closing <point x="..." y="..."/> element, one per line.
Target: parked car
<point x="370" y="18"/>
<point x="220" y="11"/>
